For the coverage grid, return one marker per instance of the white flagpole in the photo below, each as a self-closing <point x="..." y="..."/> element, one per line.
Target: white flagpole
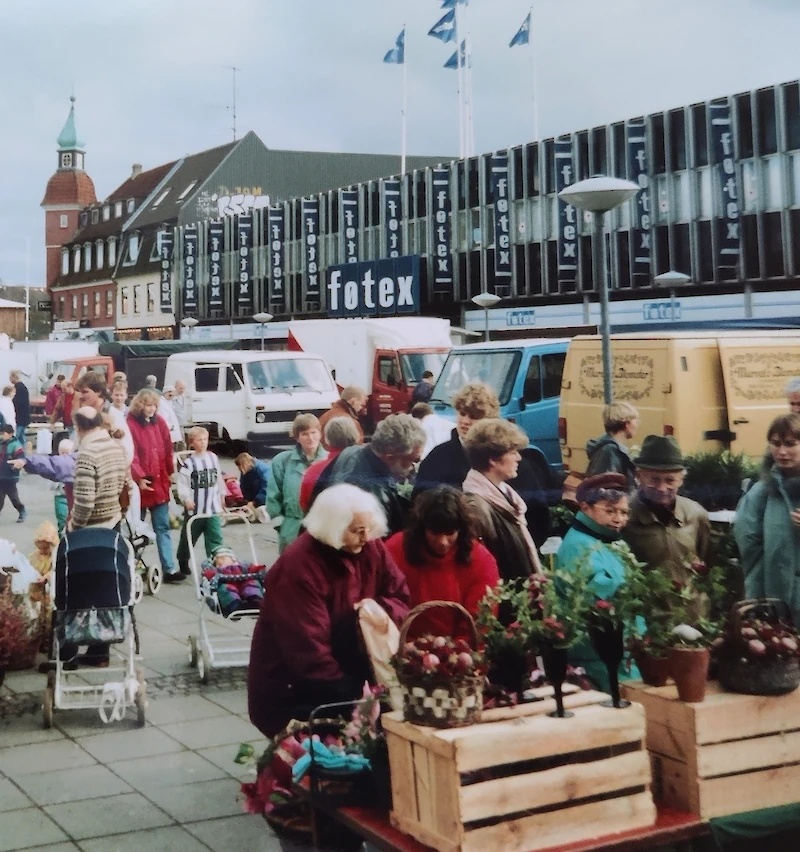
<point x="27" y="288"/>
<point x="534" y="81"/>
<point x="403" y="125"/>
<point x="470" y="114"/>
<point x="460" y="88"/>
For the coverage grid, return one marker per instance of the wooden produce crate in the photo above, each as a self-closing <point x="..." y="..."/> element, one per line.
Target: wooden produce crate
<point x="519" y="780"/>
<point x="728" y="754"/>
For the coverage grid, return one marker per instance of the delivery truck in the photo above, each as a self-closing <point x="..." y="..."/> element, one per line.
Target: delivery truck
<point x="385" y="356"/>
<point x="711" y="390"/>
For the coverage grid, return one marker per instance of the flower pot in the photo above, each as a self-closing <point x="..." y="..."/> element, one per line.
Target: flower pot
<point x="689" y="670"/>
<point x="654" y="670"/>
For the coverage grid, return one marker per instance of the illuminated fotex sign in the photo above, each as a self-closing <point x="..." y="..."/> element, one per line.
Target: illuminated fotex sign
<point x="378" y="287"/>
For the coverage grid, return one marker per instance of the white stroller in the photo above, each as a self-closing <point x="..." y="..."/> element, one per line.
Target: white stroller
<point x="208" y="652"/>
<point x="93" y="596"/>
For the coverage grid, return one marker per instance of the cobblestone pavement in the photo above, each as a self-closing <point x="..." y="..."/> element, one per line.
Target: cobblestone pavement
<point x="171" y="785"/>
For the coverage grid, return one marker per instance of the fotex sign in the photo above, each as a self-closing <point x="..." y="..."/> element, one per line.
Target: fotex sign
<point x="374" y="288"/>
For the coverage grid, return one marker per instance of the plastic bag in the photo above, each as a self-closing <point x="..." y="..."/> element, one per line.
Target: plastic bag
<point x="381" y="639"/>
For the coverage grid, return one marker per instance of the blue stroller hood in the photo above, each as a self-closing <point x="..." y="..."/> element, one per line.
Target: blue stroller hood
<point x="93" y="570"/>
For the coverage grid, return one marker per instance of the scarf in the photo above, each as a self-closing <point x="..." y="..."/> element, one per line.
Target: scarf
<point x="506" y="501"/>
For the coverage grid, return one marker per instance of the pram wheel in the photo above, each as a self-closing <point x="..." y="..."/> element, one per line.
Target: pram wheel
<point x="192" y="651"/>
<point x="48" y="706"/>
<point x="154" y="578"/>
<point x="138" y="589"/>
<point x="204" y="666"/>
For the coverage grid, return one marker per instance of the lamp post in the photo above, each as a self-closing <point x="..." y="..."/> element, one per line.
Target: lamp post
<point x="598" y="195"/>
<point x="672" y="280"/>
<point x="189" y="324"/>
<point x="262" y="319"/>
<point x="486" y="301"/>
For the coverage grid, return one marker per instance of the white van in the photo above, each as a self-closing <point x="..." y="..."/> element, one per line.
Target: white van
<point x="251" y="396"/>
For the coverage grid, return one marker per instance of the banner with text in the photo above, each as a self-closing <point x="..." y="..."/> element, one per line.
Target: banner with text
<point x="310" y="210"/>
<point x="393" y="216"/>
<point x="374" y="288"/>
<point x="277" y="253"/>
<point x="244" y="279"/>
<point x="636" y="137"/>
<point x="498" y="185"/>
<point x="348" y="223"/>
<point x="728" y="233"/>
<point x="166" y="240"/>
<point x="442" y="257"/>
<point x="190" y="270"/>
<point x="216" y="238"/>
<point x="567" y="216"/>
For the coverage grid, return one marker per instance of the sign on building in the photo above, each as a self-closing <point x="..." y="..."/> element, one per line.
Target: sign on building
<point x="498" y="166"/>
<point x="310" y="211"/>
<point x="393" y="216"/>
<point x="166" y="239"/>
<point x="567" y="216"/>
<point x="636" y="137"/>
<point x="189" y="270"/>
<point x="277" y="253"/>
<point x="216" y="239"/>
<point x="348" y="223"/>
<point x="374" y="288"/>
<point x="442" y="252"/>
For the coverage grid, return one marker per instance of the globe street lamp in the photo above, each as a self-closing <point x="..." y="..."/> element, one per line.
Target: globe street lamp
<point x="189" y="324"/>
<point x="486" y="301"/>
<point x="598" y="195"/>
<point x="262" y="319"/>
<point x="672" y="280"/>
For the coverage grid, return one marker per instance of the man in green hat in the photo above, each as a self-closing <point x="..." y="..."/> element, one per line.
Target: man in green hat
<point x="665" y="530"/>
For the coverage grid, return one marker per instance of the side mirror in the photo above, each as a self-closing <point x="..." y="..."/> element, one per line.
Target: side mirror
<point x="522" y="404"/>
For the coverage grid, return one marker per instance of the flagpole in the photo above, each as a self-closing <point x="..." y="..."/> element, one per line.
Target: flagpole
<point x="460" y="88"/>
<point x="470" y="113"/>
<point x="533" y="79"/>
<point x="403" y="125"/>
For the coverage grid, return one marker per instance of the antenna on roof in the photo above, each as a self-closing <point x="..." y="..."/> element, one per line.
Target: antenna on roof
<point x="234" y="69"/>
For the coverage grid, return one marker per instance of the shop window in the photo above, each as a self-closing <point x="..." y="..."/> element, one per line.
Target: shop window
<point x="700" y="135"/>
<point x="794" y="221"/>
<point x="677" y="140"/>
<point x="744" y="118"/>
<point x="621" y="277"/>
<point x="534" y="257"/>
<point x="586" y="270"/>
<point x="662" y="249"/>
<point x="552" y="266"/>
<point x="767" y="122"/>
<point x="683" y="256"/>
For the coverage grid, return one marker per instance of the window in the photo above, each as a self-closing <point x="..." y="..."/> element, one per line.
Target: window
<point x="131" y="205"/>
<point x="599" y="162"/>
<point x="657" y="137"/>
<point x="532" y="389"/>
<point x="112" y="251"/>
<point x="186" y="191"/>
<point x="109" y="303"/>
<point x="61" y="306"/>
<point x="151" y="298"/>
<point x="700" y="135"/>
<point x="620" y="158"/>
<point x="66" y="161"/>
<point x="744" y="117"/>
<point x="95" y="216"/>
<point x="97" y="303"/>
<point x="767" y="122"/>
<point x="74" y="307"/>
<point x="86" y="305"/>
<point x="84" y="219"/>
<point x="388" y="371"/>
<point x="133" y="248"/>
<point x="76" y="259"/>
<point x="106" y="212"/>
<point x="124" y="300"/>
<point x="677" y="140"/>
<point x="206" y="379"/>
<point x="158" y="200"/>
<point x="99" y="248"/>
<point x="117" y="209"/>
<point x="87" y="257"/>
<point x="65" y="261"/>
<point x="137" y="298"/>
<point x="233" y="378"/>
<point x="552" y="370"/>
<point x="792" y="112"/>
<point x="63" y="220"/>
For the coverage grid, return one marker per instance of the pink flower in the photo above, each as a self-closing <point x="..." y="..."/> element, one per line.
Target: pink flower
<point x="757" y="647"/>
<point x="430" y="662"/>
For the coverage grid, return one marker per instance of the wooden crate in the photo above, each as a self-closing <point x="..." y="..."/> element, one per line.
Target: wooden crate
<point x="728" y="754"/>
<point x="519" y="780"/>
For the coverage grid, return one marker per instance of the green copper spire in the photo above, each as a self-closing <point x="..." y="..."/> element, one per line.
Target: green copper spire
<point x="68" y="138"/>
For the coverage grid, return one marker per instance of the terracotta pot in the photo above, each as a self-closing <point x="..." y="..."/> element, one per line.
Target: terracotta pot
<point x="689" y="670"/>
<point x="654" y="670"/>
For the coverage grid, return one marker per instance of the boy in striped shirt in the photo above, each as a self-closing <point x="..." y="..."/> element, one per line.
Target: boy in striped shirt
<point x="201" y="489"/>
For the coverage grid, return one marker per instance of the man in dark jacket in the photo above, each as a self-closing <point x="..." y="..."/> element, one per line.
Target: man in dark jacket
<point x="380" y="466"/>
<point x="22" y="405"/>
<point x="447" y="464"/>
<point x="608" y="453"/>
<point x="422" y="392"/>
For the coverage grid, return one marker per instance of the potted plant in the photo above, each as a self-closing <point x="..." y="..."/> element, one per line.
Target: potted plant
<point x="715" y="479"/>
<point x="15" y="640"/>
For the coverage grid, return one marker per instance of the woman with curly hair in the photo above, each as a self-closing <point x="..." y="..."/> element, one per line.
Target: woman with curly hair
<point x="151" y="469"/>
<point x="442" y="560"/>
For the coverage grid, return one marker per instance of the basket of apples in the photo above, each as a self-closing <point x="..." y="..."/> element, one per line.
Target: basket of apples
<point x="442" y="678"/>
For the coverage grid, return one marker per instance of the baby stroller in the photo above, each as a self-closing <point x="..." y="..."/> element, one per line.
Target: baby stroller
<point x="216" y="652"/>
<point x="92" y="594"/>
<point x="147" y="578"/>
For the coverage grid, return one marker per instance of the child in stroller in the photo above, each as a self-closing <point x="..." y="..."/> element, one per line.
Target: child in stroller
<point x="238" y="586"/>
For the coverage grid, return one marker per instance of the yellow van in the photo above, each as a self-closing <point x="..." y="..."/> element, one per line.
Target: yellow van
<point x="711" y="390"/>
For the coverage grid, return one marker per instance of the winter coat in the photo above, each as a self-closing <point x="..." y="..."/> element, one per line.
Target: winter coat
<point x="62" y="410"/>
<point x="340" y="408"/>
<point x="501" y="534"/>
<point x="254" y="483"/>
<point x="441" y="578"/>
<point x="51" y="399"/>
<point x="361" y="467"/>
<point x="595" y="548"/>
<point x="283" y="491"/>
<point x="152" y="458"/>
<point x="422" y="392"/>
<point x="310" y="478"/>
<point x="22" y="404"/>
<point x="305" y="648"/>
<point x="101" y="472"/>
<point x="768" y="541"/>
<point x="10" y="449"/>
<point x="447" y="465"/>
<point x="607" y="455"/>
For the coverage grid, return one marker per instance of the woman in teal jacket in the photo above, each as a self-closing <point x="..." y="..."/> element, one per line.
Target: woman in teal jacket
<point x="594" y="543"/>
<point x="288" y="469"/>
<point x="767" y="528"/>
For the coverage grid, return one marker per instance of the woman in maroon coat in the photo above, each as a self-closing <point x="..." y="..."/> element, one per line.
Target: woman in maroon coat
<point x="151" y="469"/>
<point x="306" y="650"/>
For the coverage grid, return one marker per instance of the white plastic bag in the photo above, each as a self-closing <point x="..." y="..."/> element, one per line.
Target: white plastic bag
<point x="381" y="639"/>
<point x="44" y="442"/>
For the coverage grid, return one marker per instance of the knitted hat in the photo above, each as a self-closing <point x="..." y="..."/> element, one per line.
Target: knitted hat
<point x="46" y="531"/>
<point x="660" y="452"/>
<point x="223" y="550"/>
<point x="606" y="481"/>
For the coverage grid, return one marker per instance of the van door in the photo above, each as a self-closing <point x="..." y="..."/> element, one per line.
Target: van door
<point x="755" y="371"/>
<point x="538" y="404"/>
<point x="389" y="394"/>
<point x="207" y="399"/>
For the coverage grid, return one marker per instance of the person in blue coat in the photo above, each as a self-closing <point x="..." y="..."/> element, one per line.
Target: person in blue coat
<point x="594" y="543"/>
<point x="767" y="527"/>
<point x="253" y="480"/>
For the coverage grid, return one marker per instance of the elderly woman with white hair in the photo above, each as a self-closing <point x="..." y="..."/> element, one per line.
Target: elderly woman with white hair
<point x="305" y="649"/>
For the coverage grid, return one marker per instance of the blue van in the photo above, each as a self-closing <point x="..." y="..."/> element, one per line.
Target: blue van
<point x="526" y="375"/>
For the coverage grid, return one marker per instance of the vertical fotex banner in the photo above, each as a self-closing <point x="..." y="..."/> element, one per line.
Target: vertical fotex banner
<point x="244" y="275"/>
<point x="215" y="248"/>
<point x="441" y="204"/>
<point x="636" y="140"/>
<point x="190" y="270"/>
<point x="567" y="215"/>
<point x="498" y="185"/>
<point x="310" y="211"/>
<point x="393" y="216"/>
<point x="729" y="229"/>
<point x="166" y="239"/>
<point x="348" y="224"/>
<point x="277" y="253"/>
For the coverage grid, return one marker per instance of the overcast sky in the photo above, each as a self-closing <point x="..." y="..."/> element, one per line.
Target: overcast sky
<point x="151" y="84"/>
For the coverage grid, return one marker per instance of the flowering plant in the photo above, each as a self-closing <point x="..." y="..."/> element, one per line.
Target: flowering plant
<point x="759" y="640"/>
<point x="438" y="658"/>
<point x="563" y="602"/>
<point x="509" y="615"/>
<point x="15" y="636"/>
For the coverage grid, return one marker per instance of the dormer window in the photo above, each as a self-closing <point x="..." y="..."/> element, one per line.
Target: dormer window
<point x="79" y="160"/>
<point x="131" y="205"/>
<point x="106" y="213"/>
<point x="65" y="262"/>
<point x="187" y="190"/>
<point x="161" y="197"/>
<point x="66" y="161"/>
<point x="87" y="257"/>
<point x="95" y="216"/>
<point x="99" y="248"/>
<point x="133" y="249"/>
<point x="112" y="251"/>
<point x="118" y="210"/>
<point x="76" y="259"/>
<point x="84" y="219"/>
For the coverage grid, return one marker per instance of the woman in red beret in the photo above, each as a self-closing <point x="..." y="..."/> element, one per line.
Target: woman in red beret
<point x="595" y="541"/>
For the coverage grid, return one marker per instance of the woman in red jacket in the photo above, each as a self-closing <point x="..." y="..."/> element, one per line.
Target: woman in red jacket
<point x="442" y="560"/>
<point x="151" y="469"/>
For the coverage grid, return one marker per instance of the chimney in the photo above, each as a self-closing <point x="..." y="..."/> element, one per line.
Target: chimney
<point x="136" y="170"/>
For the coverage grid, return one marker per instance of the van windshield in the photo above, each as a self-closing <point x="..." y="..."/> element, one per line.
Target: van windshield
<point x="285" y="375"/>
<point x="414" y="364"/>
<point x="497" y="369"/>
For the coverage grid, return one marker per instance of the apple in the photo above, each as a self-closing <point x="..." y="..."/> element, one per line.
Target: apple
<point x="430" y="662"/>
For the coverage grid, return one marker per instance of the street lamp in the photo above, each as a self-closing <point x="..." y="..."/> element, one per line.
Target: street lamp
<point x="262" y="319"/>
<point x="672" y="280"/>
<point x="486" y="301"/>
<point x="189" y="324"/>
<point x="598" y="195"/>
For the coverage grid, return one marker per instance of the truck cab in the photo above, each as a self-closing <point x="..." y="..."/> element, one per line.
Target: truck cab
<point x="526" y="376"/>
<point x="396" y="373"/>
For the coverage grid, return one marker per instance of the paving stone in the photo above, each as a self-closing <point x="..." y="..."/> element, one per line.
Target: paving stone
<point x="128" y="744"/>
<point x="12" y="798"/>
<point x="172" y="770"/>
<point x="29" y="827"/>
<point x="69" y="785"/>
<point x="27" y="759"/>
<point x="250" y="831"/>
<point x="28" y="680"/>
<point x="125" y="814"/>
<point x="204" y="800"/>
<point x="235" y="701"/>
<point x="183" y="709"/>
<point x="204" y="733"/>
<point x="222" y="756"/>
<point x="59" y="847"/>
<point x="79" y="724"/>
<point x="170" y="839"/>
<point x="26" y="730"/>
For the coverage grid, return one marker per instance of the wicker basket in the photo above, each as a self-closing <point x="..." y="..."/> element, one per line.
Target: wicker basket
<point x="449" y="703"/>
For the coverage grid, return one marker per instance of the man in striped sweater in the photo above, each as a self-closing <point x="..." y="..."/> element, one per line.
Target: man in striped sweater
<point x="201" y="489"/>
